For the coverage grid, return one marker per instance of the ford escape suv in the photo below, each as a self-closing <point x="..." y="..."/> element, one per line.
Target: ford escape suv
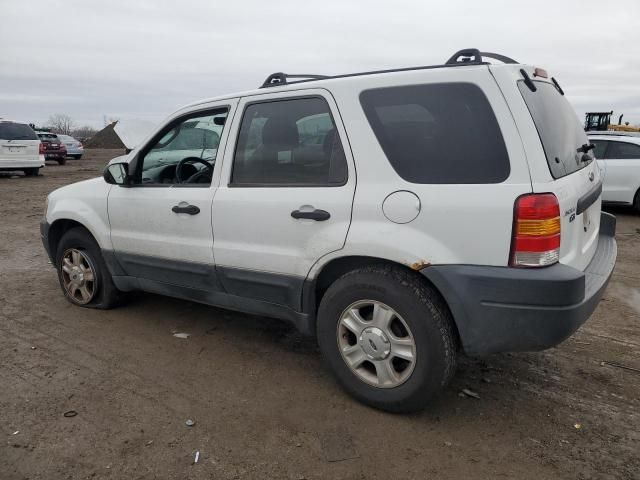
<point x="400" y="216"/>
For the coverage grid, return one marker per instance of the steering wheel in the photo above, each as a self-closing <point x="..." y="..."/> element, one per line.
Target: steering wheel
<point x="207" y="172"/>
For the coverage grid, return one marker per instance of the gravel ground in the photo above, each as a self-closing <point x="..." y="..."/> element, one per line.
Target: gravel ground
<point x="263" y="404"/>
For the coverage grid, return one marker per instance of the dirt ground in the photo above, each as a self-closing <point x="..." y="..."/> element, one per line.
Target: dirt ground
<point x="263" y="404"/>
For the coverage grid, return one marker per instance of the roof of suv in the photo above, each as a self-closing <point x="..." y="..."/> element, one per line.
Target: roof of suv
<point x="462" y="58"/>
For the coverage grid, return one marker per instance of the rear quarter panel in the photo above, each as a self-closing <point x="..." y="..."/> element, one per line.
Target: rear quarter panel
<point x="468" y="223"/>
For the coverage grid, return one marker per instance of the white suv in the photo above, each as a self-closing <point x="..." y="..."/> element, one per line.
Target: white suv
<point x="400" y="216"/>
<point x="618" y="155"/>
<point x="20" y="148"/>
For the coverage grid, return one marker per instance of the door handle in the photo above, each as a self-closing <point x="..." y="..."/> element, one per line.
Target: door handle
<point x="188" y="209"/>
<point x="317" y="215"/>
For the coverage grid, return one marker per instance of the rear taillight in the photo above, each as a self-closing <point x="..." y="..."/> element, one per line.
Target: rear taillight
<point x="41" y="148"/>
<point x="536" y="231"/>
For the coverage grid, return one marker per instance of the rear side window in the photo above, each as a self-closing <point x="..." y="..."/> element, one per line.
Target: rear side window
<point x="601" y="147"/>
<point x="560" y="131"/>
<point x="623" y="151"/>
<point x="438" y="133"/>
<point x="16" y="131"/>
<point x="289" y="143"/>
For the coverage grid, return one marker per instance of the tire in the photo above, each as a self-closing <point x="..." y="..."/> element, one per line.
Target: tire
<point x="421" y="312"/>
<point x="77" y="157"/>
<point x="103" y="293"/>
<point x="32" y="172"/>
<point x="636" y="202"/>
<point x="62" y="161"/>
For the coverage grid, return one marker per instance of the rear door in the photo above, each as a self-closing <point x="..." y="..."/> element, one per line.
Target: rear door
<point x="285" y="194"/>
<point x="18" y="144"/>
<point x="554" y="139"/>
<point x="622" y="180"/>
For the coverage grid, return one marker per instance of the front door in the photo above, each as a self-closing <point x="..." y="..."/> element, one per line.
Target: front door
<point x="161" y="223"/>
<point x="285" y="194"/>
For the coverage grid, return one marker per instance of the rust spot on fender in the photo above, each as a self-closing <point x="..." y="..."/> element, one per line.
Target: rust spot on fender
<point x="419" y="265"/>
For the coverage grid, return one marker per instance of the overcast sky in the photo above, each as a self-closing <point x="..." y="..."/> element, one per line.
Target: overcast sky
<point x="144" y="59"/>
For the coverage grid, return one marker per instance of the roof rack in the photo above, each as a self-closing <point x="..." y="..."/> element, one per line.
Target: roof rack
<point x="468" y="56"/>
<point x="279" y="78"/>
<point x="473" y="56"/>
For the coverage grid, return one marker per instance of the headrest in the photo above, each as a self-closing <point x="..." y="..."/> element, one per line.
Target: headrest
<point x="280" y="132"/>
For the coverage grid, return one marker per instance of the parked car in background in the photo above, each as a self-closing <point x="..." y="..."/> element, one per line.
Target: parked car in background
<point x="474" y="224"/>
<point x="619" y="158"/>
<point x="20" y="148"/>
<point x="54" y="149"/>
<point x="74" y="147"/>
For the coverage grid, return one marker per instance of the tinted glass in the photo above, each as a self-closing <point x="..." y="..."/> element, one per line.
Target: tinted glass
<point x="289" y="142"/>
<point x="16" y="131"/>
<point x="623" y="151"/>
<point x="49" y="137"/>
<point x="560" y="131"/>
<point x="440" y="133"/>
<point x="601" y="147"/>
<point x="195" y="137"/>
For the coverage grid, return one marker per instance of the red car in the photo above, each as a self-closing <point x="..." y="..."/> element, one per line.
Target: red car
<point x="52" y="147"/>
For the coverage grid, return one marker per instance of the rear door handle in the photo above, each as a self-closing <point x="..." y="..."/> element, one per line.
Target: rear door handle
<point x="317" y="215"/>
<point x="188" y="209"/>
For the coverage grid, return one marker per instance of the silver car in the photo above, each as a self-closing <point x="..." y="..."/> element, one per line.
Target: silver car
<point x="74" y="147"/>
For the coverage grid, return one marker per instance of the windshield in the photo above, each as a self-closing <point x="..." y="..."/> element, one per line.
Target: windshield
<point x="16" y="131"/>
<point x="558" y="126"/>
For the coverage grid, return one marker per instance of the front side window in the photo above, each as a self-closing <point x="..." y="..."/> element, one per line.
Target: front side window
<point x="185" y="152"/>
<point x="438" y="133"/>
<point x="623" y="151"/>
<point x="289" y="143"/>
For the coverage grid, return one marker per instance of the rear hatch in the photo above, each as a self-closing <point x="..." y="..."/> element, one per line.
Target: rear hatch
<point x="574" y="175"/>
<point x="51" y="142"/>
<point x="18" y="142"/>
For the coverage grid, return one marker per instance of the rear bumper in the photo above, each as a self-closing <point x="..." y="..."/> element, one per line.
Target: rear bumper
<point x="19" y="164"/>
<point x="501" y="309"/>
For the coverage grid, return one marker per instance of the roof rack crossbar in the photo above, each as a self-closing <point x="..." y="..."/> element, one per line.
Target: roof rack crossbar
<point x="473" y="56"/>
<point x="280" y="78"/>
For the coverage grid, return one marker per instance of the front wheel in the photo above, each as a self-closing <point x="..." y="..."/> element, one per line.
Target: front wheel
<point x="82" y="272"/>
<point x="388" y="338"/>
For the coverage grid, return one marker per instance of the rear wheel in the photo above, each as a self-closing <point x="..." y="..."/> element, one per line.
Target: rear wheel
<point x="62" y="161"/>
<point x="82" y="272"/>
<point x="636" y="203"/>
<point x="31" y="172"/>
<point x="388" y="337"/>
<point x="77" y="157"/>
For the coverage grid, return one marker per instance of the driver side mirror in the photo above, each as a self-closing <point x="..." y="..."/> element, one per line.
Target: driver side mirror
<point x="116" y="173"/>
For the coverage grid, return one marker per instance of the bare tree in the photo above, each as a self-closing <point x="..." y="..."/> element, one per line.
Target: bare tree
<point x="60" y="123"/>
<point x="83" y="132"/>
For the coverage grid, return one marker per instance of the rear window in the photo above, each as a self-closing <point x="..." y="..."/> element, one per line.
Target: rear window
<point x="438" y="133"/>
<point x="16" y="131"/>
<point x="48" y="136"/>
<point x="560" y="131"/>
